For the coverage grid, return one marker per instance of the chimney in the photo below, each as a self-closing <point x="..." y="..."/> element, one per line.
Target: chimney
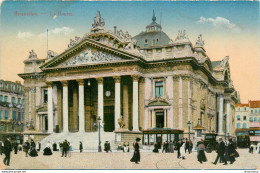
<point x="114" y="29"/>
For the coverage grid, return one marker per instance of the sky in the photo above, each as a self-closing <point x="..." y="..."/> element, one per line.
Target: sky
<point x="228" y="29"/>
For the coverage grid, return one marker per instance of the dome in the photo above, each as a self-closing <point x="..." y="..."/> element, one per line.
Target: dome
<point x="153" y="36"/>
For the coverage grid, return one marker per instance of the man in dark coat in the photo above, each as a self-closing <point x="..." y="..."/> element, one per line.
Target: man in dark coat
<point x="15" y="148"/>
<point x="26" y="148"/>
<point x="231" y="151"/>
<point x="107" y="147"/>
<point x="7" y="151"/>
<point x="221" y="152"/>
<point x="80" y="146"/>
<point x="65" y="148"/>
<point x="178" y="146"/>
<point x="136" y="156"/>
<point x="187" y="145"/>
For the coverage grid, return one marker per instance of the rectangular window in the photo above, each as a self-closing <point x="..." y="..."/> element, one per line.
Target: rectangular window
<point x="255" y="111"/>
<point x="14" y="115"/>
<point x="251" y="111"/>
<point x="6" y="127"/>
<point x="13" y="100"/>
<point x="45" y="96"/>
<point x="1" y="98"/>
<point x="238" y="117"/>
<point x="1" y="128"/>
<point x="6" y="86"/>
<point x="13" y="87"/>
<point x="255" y="119"/>
<point x="22" y="101"/>
<point x="244" y="117"/>
<point x="1" y="114"/>
<point x="22" y="116"/>
<point x="251" y="119"/>
<point x="238" y="125"/>
<point x="19" y="128"/>
<point x="19" y="101"/>
<point x="6" y="98"/>
<point x="159" y="89"/>
<point x="13" y="128"/>
<point x="1" y="85"/>
<point x="6" y="114"/>
<point x="19" y="116"/>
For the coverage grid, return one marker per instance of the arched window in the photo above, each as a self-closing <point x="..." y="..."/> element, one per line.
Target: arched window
<point x="238" y="117"/>
<point x="238" y="125"/>
<point x="251" y="119"/>
<point x="255" y="119"/>
<point x="244" y="125"/>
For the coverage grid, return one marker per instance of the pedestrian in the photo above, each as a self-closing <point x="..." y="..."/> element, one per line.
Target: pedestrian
<point x="258" y="146"/>
<point x="171" y="147"/>
<point x="33" y="152"/>
<point x="182" y="149"/>
<point x="190" y="147"/>
<point x="220" y="151"/>
<point x="47" y="150"/>
<point x="39" y="146"/>
<point x="107" y="147"/>
<point x="54" y="146"/>
<point x="125" y="147"/>
<point x="65" y="147"/>
<point x="80" y="146"/>
<point x="186" y="145"/>
<point x="7" y="151"/>
<point x="231" y="151"/>
<point x="70" y="149"/>
<point x="136" y="156"/>
<point x="178" y="147"/>
<point x="164" y="147"/>
<point x="251" y="148"/>
<point x="155" y="150"/>
<point x="201" y="152"/>
<point x="26" y="148"/>
<point x="15" y="148"/>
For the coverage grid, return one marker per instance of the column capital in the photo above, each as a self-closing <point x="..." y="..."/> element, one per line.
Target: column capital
<point x="49" y="83"/>
<point x="80" y="81"/>
<point x="64" y="83"/>
<point x="26" y="89"/>
<point x="100" y="80"/>
<point x="135" y="78"/>
<point x="117" y="79"/>
<point x="176" y="77"/>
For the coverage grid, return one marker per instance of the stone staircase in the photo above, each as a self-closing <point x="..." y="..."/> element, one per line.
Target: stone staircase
<point x="89" y="139"/>
<point x="130" y="138"/>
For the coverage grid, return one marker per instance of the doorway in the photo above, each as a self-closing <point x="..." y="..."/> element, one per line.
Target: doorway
<point x="159" y="119"/>
<point x="109" y="119"/>
<point x="46" y="123"/>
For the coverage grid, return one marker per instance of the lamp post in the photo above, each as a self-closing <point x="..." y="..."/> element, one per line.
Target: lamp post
<point x="99" y="142"/>
<point x="189" y="124"/>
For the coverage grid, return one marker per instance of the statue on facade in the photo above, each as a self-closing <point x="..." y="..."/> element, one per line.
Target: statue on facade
<point x="98" y="21"/>
<point x="51" y="54"/>
<point x="32" y="54"/>
<point x="121" y="122"/>
<point x="200" y="42"/>
<point x="181" y="35"/>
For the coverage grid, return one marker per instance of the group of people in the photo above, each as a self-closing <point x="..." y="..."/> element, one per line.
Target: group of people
<point x="253" y="148"/>
<point x="30" y="149"/>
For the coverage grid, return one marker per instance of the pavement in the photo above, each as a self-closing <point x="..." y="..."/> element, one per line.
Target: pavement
<point x="120" y="160"/>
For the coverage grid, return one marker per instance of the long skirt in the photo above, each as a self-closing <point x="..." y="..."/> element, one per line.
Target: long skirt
<point x="201" y="156"/>
<point x="136" y="157"/>
<point x="47" y="151"/>
<point x="33" y="153"/>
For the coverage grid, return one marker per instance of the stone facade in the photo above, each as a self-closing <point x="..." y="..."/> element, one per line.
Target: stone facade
<point x="11" y="110"/>
<point x="104" y="74"/>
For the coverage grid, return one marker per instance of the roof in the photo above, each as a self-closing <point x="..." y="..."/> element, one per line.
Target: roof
<point x="148" y="39"/>
<point x="254" y="103"/>
<point x="215" y="63"/>
<point x="242" y="105"/>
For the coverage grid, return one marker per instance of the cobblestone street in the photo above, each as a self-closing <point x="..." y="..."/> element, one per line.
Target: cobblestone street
<point x="119" y="160"/>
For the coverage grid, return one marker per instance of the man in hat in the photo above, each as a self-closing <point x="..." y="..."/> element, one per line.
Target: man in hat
<point x="7" y="151"/>
<point x="221" y="152"/>
<point x="65" y="148"/>
<point x="136" y="156"/>
<point x="107" y="147"/>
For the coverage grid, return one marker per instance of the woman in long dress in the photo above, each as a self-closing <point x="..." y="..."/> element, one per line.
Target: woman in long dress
<point x="182" y="149"/>
<point x="33" y="152"/>
<point x="201" y="152"/>
<point x="136" y="156"/>
<point x="155" y="150"/>
<point x="47" y="150"/>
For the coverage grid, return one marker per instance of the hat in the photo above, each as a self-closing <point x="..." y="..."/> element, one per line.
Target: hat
<point x="138" y="139"/>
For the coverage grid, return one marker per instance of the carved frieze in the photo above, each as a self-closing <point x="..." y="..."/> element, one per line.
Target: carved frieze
<point x="89" y="56"/>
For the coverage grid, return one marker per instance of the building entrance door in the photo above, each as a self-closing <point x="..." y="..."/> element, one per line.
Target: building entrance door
<point x="46" y="123"/>
<point x="159" y="119"/>
<point x="109" y="125"/>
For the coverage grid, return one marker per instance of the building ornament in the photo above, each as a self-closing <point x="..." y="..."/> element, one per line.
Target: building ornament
<point x="49" y="83"/>
<point x="121" y="122"/>
<point x="181" y="35"/>
<point x="117" y="79"/>
<point x="90" y="57"/>
<point x="135" y="77"/>
<point x="73" y="42"/>
<point x="80" y="81"/>
<point x="32" y="54"/>
<point x="98" y="21"/>
<point x="64" y="83"/>
<point x="199" y="41"/>
<point x="51" y="54"/>
<point x="100" y="80"/>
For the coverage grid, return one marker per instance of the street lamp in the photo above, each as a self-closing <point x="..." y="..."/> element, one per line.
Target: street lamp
<point x="189" y="124"/>
<point x="99" y="142"/>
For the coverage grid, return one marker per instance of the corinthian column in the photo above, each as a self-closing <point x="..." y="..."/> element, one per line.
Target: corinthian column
<point x="50" y="108"/>
<point x="100" y="101"/>
<point x="228" y="118"/>
<point x="220" y="116"/>
<point x="180" y="104"/>
<point x="65" y="107"/>
<point x="81" y="106"/>
<point x="135" y="103"/>
<point x="117" y="101"/>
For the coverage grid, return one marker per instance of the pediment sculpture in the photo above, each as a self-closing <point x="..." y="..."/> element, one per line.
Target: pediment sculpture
<point x="181" y="35"/>
<point x="90" y="57"/>
<point x="32" y="54"/>
<point x="199" y="41"/>
<point x="74" y="42"/>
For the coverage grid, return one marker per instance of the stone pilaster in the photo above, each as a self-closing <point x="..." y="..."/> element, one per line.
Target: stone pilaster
<point x="180" y="104"/>
<point x="135" y="103"/>
<point x="125" y="105"/>
<point x="117" y="101"/>
<point x="65" y="107"/>
<point x="228" y="118"/>
<point x="50" y="108"/>
<point x="75" y="118"/>
<point x="220" y="116"/>
<point x="81" y="106"/>
<point x="100" y="101"/>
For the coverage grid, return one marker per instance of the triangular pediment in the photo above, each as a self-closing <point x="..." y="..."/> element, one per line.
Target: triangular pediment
<point x="89" y="52"/>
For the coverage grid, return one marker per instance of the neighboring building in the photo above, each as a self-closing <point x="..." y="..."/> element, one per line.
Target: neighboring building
<point x="148" y="88"/>
<point x="11" y="110"/>
<point x="247" y="115"/>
